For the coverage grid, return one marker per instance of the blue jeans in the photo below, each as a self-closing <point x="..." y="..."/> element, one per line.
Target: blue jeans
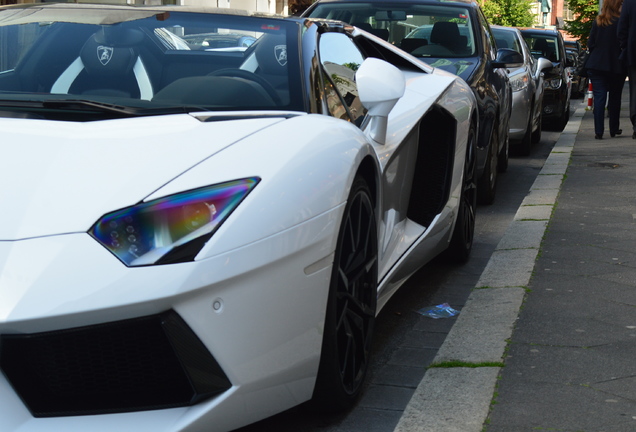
<point x="602" y="84"/>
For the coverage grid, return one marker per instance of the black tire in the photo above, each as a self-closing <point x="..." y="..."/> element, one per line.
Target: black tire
<point x="351" y="306"/>
<point x="487" y="183"/>
<point x="524" y="147"/>
<point x="461" y="242"/>
<point x="536" y="135"/>
<point x="563" y="120"/>
<point x="504" y="155"/>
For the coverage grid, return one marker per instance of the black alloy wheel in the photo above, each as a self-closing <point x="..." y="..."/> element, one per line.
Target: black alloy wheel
<point x="461" y="242"/>
<point x="536" y="135"/>
<point x="351" y="305"/>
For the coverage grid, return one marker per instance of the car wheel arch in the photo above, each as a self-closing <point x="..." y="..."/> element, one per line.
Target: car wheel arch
<point x="370" y="173"/>
<point x="340" y="377"/>
<point x="462" y="237"/>
<point x="474" y="120"/>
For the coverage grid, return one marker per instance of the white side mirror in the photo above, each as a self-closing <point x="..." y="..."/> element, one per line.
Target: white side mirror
<point x="380" y="86"/>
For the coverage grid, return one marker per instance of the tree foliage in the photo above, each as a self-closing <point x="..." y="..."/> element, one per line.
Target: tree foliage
<point x="511" y="13"/>
<point x="296" y="7"/>
<point x="585" y="12"/>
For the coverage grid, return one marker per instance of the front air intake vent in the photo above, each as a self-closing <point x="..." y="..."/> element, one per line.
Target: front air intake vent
<point x="138" y="364"/>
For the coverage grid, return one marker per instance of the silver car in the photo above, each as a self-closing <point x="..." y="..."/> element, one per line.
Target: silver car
<point x="526" y="81"/>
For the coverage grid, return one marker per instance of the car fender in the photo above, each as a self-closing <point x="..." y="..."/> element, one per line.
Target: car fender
<point x="80" y="171"/>
<point x="306" y="165"/>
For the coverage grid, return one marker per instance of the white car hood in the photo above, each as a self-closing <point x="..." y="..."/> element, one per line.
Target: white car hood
<point x="61" y="177"/>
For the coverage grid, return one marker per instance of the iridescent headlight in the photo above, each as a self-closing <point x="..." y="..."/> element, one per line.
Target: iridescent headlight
<point x="171" y="229"/>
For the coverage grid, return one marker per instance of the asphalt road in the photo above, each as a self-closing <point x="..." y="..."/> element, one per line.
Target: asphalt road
<point x="405" y="341"/>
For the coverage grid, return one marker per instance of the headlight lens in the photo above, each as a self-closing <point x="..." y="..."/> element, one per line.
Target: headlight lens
<point x="171" y="229"/>
<point x="519" y="82"/>
<point x="553" y="83"/>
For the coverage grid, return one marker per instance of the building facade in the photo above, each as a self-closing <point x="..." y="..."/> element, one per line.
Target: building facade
<point x="271" y="6"/>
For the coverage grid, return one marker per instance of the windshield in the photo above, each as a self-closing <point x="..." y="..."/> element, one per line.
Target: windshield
<point x="139" y="60"/>
<point x="543" y="46"/>
<point x="438" y="31"/>
<point x="507" y="39"/>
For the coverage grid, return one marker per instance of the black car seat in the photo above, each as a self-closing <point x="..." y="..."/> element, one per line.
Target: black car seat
<point x="411" y="44"/>
<point x="267" y="58"/>
<point x="379" y="32"/>
<point x="108" y="64"/>
<point x="218" y="91"/>
<point x="447" y="34"/>
<point x="543" y="48"/>
<point x="364" y="26"/>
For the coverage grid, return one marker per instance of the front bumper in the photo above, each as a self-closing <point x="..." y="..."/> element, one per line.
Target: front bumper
<point x="138" y="364"/>
<point x="257" y="312"/>
<point x="554" y="104"/>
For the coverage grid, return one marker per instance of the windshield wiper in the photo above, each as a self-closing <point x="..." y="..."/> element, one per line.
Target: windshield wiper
<point x="67" y="104"/>
<point x="82" y="104"/>
<point x="103" y="107"/>
<point x="92" y="107"/>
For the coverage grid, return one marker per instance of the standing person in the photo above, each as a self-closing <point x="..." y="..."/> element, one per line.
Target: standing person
<point x="605" y="68"/>
<point x="627" y="40"/>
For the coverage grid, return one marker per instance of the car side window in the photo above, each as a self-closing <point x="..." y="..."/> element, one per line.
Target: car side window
<point x="544" y="46"/>
<point x="340" y="60"/>
<point x="516" y="45"/>
<point x="560" y="49"/>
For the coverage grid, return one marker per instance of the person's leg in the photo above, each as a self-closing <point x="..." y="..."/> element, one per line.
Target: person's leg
<point x="632" y="98"/>
<point x="616" y="83"/>
<point x="599" y="91"/>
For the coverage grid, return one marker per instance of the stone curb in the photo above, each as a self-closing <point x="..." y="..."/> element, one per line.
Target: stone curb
<point x="450" y="400"/>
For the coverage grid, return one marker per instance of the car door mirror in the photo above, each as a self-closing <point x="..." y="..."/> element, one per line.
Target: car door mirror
<point x="507" y="57"/>
<point x="544" y="64"/>
<point x="545" y="67"/>
<point x="380" y="86"/>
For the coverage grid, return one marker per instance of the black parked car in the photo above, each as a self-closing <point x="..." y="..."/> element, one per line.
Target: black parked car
<point x="454" y="36"/>
<point x="579" y="83"/>
<point x="558" y="85"/>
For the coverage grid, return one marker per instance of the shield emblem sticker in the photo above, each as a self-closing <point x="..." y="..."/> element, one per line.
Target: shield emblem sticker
<point x="280" y="51"/>
<point x="104" y="54"/>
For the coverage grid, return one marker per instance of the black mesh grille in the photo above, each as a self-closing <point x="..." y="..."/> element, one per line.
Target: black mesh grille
<point x="139" y="364"/>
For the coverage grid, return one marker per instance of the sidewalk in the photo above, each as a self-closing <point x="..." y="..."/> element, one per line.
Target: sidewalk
<point x="547" y="340"/>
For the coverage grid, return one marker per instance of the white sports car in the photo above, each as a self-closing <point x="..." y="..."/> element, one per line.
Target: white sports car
<point x="203" y="211"/>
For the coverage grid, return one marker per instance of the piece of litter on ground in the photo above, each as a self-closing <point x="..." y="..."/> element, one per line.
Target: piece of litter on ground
<point x="440" y="311"/>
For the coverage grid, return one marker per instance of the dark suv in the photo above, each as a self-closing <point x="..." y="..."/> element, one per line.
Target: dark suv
<point x="450" y="35"/>
<point x="558" y="85"/>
